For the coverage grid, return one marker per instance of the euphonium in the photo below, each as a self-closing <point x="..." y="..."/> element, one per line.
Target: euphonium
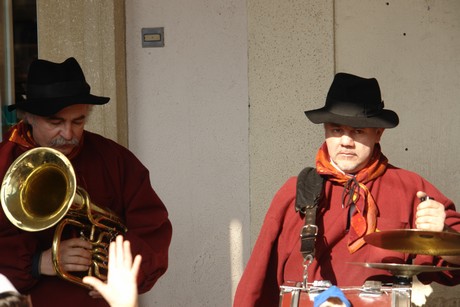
<point x="39" y="190"/>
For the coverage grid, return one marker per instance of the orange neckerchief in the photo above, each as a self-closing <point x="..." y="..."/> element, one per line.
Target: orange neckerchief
<point x="21" y="134"/>
<point x="364" y="219"/>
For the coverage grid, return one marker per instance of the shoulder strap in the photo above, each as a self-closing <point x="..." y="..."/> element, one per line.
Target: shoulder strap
<point x="308" y="195"/>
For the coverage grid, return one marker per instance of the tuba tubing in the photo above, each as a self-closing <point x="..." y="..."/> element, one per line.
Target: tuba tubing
<point x="39" y="191"/>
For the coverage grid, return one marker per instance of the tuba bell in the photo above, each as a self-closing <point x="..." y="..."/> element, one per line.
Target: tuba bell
<point x="39" y="191"/>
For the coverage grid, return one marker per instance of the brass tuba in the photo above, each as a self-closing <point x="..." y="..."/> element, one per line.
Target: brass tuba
<point x="39" y="190"/>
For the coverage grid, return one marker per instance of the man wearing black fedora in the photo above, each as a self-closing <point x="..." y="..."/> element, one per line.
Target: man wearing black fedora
<point x="317" y="221"/>
<point x="55" y="111"/>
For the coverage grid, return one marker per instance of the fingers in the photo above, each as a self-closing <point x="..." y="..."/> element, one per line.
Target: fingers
<point x="116" y="253"/>
<point x="100" y="289"/>
<point x="421" y="194"/>
<point x="136" y="265"/>
<point x="430" y="214"/>
<point x="75" y="255"/>
<point x="121" y="259"/>
<point x="94" y="282"/>
<point x="77" y="242"/>
<point x="127" y="256"/>
<point x="429" y="224"/>
<point x="120" y="254"/>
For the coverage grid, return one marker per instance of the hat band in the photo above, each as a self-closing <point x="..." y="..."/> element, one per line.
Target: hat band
<point x="345" y="108"/>
<point x="56" y="90"/>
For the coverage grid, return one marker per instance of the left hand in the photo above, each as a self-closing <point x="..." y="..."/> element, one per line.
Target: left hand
<point x="430" y="214"/>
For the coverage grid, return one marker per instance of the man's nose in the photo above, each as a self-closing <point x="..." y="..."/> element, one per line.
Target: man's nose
<point x="346" y="140"/>
<point x="66" y="132"/>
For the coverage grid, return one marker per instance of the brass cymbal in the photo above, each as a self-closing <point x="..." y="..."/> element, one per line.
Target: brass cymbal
<point x="414" y="241"/>
<point x="405" y="270"/>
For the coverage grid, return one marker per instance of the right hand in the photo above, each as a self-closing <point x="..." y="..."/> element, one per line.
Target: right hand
<point x="120" y="289"/>
<point x="74" y="255"/>
<point x="430" y="215"/>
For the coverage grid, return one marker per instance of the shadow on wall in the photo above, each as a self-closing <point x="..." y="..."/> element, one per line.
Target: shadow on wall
<point x="444" y="296"/>
<point x="443" y="302"/>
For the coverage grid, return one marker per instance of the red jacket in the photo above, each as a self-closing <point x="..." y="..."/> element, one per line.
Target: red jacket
<point x="114" y="178"/>
<point x="276" y="256"/>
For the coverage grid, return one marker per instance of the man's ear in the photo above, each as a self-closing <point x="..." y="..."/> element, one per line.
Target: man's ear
<point x="379" y="133"/>
<point x="27" y="118"/>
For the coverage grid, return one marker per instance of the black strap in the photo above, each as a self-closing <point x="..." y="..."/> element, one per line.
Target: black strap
<point x="308" y="195"/>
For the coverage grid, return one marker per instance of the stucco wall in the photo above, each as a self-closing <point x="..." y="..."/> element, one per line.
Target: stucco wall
<point x="291" y="61"/>
<point x="188" y="121"/>
<point x="94" y="33"/>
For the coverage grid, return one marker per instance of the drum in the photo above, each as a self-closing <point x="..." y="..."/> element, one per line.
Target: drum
<point x="370" y="294"/>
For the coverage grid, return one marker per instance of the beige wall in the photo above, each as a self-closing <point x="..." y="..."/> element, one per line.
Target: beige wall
<point x="188" y="120"/>
<point x="94" y="33"/>
<point x="291" y="61"/>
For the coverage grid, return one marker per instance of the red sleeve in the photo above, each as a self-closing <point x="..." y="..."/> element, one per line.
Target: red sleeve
<point x="149" y="231"/>
<point x="16" y="254"/>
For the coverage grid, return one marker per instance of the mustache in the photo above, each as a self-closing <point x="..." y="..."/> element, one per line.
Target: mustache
<point x="60" y="141"/>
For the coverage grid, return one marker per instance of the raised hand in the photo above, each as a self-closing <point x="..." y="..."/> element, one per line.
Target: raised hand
<point x="120" y="290"/>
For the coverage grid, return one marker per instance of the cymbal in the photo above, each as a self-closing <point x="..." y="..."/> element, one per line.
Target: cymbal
<point x="414" y="241"/>
<point x="405" y="270"/>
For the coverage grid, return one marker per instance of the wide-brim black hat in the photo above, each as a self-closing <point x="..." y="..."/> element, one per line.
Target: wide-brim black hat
<point x="54" y="86"/>
<point x="356" y="102"/>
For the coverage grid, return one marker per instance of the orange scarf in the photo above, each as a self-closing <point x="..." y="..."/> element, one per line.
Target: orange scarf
<point x="21" y="134"/>
<point x="364" y="219"/>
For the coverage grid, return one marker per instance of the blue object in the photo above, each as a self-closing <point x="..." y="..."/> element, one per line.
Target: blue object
<point x="330" y="292"/>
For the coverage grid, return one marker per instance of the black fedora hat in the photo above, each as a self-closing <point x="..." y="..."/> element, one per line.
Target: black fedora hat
<point x="356" y="102"/>
<point x="54" y="86"/>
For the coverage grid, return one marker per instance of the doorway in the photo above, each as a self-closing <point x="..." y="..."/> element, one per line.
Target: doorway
<point x="18" y="48"/>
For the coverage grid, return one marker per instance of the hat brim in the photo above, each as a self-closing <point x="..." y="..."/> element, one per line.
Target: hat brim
<point x="51" y="106"/>
<point x="385" y="119"/>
